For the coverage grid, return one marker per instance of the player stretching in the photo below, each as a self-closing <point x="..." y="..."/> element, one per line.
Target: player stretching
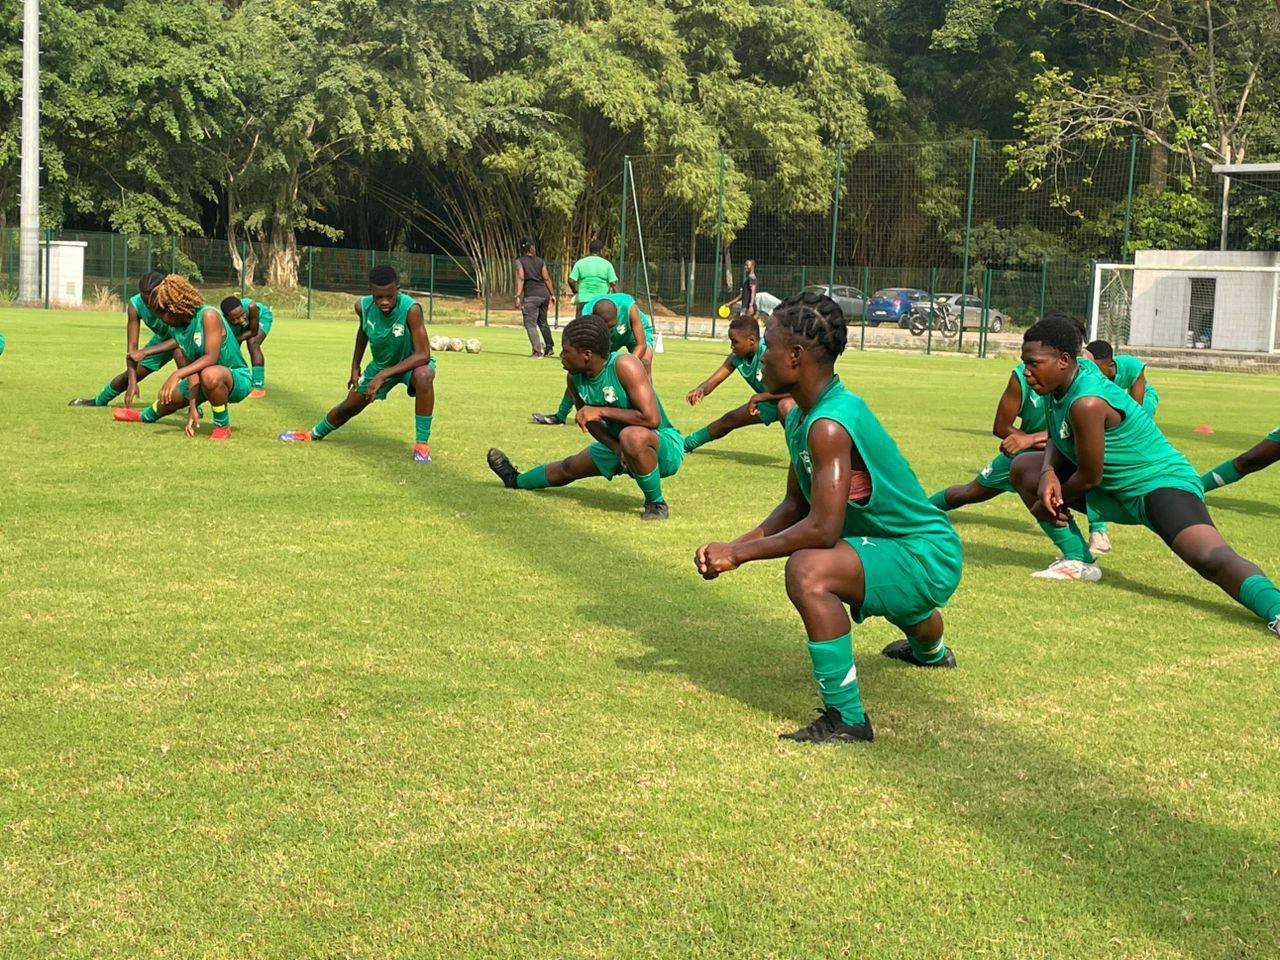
<point x="1106" y="453"/>
<point x="746" y="356"/>
<point x="215" y="369"/>
<point x="855" y="525"/>
<point x="252" y="322"/>
<point x="618" y="406"/>
<point x="391" y="326"/>
<point x="630" y="329"/>
<point x="1258" y="457"/>
<point x="139" y="364"/>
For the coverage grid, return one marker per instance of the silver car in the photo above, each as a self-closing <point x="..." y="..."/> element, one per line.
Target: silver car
<point x="972" y="311"/>
<point x="850" y="299"/>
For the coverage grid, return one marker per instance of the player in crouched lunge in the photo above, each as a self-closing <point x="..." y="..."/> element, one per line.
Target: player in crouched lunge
<point x="618" y="406"/>
<point x="251" y="320"/>
<point x="392" y="327"/>
<point x="855" y="524"/>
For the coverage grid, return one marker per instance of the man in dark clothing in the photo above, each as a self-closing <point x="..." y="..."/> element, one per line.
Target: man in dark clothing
<point x="746" y="298"/>
<point x="533" y="296"/>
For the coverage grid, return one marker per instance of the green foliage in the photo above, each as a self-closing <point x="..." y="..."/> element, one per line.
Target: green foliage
<point x="1177" y="219"/>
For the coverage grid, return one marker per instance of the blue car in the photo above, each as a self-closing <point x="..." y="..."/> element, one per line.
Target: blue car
<point x="893" y="305"/>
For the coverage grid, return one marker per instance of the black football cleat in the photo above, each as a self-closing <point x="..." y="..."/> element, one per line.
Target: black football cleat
<point x="656" y="511"/>
<point x="831" y="728"/>
<point x="500" y="465"/>
<point x="83" y="402"/>
<point x="547" y="419"/>
<point x="901" y="650"/>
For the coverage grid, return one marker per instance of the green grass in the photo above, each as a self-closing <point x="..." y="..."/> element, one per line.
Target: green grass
<point x="264" y="700"/>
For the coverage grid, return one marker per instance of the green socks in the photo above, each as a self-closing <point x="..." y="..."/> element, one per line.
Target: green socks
<point x="927" y="652"/>
<point x="939" y="500"/>
<point x="837" y="677"/>
<point x="1069" y="540"/>
<point x="651" y="486"/>
<point x="1220" y="476"/>
<point x="696" y="439"/>
<point x="422" y="428"/>
<point x="566" y="407"/>
<point x="150" y="415"/>
<point x="535" y="479"/>
<point x="322" y="429"/>
<point x="106" y="396"/>
<point x="259" y="378"/>
<point x="221" y="416"/>
<point x="1261" y="596"/>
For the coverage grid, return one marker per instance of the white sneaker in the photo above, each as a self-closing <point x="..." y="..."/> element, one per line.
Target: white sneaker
<point x="1063" y="569"/>
<point x="1099" y="542"/>
<point x="1274" y="626"/>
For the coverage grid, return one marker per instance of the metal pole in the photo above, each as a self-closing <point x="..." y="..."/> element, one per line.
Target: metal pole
<point x="1128" y="198"/>
<point x="688" y="296"/>
<point x="48" y="257"/>
<point x="968" y="229"/>
<point x="111" y="261"/>
<point x="148" y="270"/>
<point x="1226" y="207"/>
<point x="244" y="262"/>
<point x="986" y="308"/>
<point x="835" y="218"/>
<point x="485" y="281"/>
<point x="173" y="254"/>
<point x="622" y="227"/>
<point x="715" y="280"/>
<point x="1044" y="284"/>
<point x="866" y="283"/>
<point x="933" y="310"/>
<point x="1095" y="295"/>
<point x="311" y="251"/>
<point x="431" y="304"/>
<point x="555" y="288"/>
<point x="29" y="204"/>
<point x="644" y="263"/>
<point x="124" y="270"/>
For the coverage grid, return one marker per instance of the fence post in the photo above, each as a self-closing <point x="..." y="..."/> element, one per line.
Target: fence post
<point x="555" y="289"/>
<point x="431" y="304"/>
<point x="173" y="254"/>
<point x="866" y="282"/>
<point x="983" y="315"/>
<point x="48" y="258"/>
<point x="715" y="280"/>
<point x="311" y="251"/>
<point x="111" y="262"/>
<point x="1093" y="270"/>
<point x="622" y="228"/>
<point x="124" y="270"/>
<point x="244" y="261"/>
<point x="835" y="218"/>
<point x="149" y="262"/>
<point x="968" y="229"/>
<point x="486" y="292"/>
<point x="1044" y="283"/>
<point x="1128" y="197"/>
<point x="933" y="310"/>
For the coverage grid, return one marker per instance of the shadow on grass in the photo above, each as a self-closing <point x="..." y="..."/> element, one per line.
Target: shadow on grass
<point x="1253" y="508"/>
<point x="744" y="457"/>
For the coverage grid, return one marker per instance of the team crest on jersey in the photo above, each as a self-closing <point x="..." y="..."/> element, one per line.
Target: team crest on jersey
<point x="807" y="461"/>
<point x="198" y="339"/>
<point x="398" y="330"/>
<point x="1064" y="432"/>
<point x="610" y="395"/>
<point x="759" y="376"/>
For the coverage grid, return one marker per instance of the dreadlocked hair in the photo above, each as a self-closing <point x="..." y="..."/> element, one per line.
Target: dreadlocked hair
<point x="816" y="320"/>
<point x="175" y="294"/>
<point x="588" y="332"/>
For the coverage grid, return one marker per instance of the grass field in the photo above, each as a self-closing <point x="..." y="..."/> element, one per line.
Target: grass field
<point x="266" y="700"/>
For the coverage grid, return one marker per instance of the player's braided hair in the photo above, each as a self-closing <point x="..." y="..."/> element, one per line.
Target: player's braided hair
<point x="588" y="333"/>
<point x="175" y="294"/>
<point x="815" y="319"/>
<point x="149" y="281"/>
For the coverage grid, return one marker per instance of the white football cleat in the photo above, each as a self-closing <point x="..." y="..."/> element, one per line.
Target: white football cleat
<point x="1064" y="569"/>
<point x="1099" y="542"/>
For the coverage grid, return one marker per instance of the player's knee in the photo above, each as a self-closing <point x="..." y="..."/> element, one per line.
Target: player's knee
<point x="214" y="376"/>
<point x="805" y="577"/>
<point x="423" y="376"/>
<point x="633" y="439"/>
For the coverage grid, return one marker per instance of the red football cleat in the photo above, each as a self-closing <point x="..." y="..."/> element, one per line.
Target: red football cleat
<point x="220" y="433"/>
<point x="126" y="415"/>
<point x="257" y="393"/>
<point x="295" y="436"/>
<point x="422" y="453"/>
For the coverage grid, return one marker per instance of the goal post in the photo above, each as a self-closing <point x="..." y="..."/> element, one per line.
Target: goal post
<point x="1196" y="305"/>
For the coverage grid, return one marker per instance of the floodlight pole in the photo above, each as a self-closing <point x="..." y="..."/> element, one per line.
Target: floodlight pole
<point x="29" y="205"/>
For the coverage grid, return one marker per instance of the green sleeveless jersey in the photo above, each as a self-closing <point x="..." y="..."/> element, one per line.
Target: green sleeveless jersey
<point x="389" y="339"/>
<point x="191" y="339"/>
<point x="264" y="312"/>
<point x="1031" y="414"/>
<point x="606" y="390"/>
<point x="752" y="369"/>
<point x="621" y="336"/>
<point x="145" y="314"/>
<point x="1136" y="458"/>
<point x="898" y="506"/>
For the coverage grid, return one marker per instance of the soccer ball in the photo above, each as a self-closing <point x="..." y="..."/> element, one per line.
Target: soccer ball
<point x="473" y="345"/>
<point x="723" y="311"/>
<point x="455" y="345"/>
<point x="439" y="343"/>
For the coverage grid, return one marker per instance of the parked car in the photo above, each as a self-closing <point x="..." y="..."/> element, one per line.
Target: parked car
<point x="850" y="299"/>
<point x="893" y="305"/>
<point x="946" y="315"/>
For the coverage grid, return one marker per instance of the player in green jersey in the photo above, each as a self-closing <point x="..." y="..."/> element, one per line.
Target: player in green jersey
<point x="390" y="324"/>
<point x="617" y="406"/>
<point x="1105" y="452"/>
<point x="1258" y="457"/>
<point x="855" y="525"/>
<point x="139" y="362"/>
<point x="746" y="356"/>
<point x="630" y="329"/>
<point x="252" y="322"/>
<point x="214" y="369"/>
<point x="591" y="277"/>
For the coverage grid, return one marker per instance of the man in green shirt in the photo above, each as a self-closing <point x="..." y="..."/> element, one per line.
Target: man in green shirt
<point x="390" y="324"/>
<point x="746" y="356"/>
<point x="1258" y="457"/>
<point x="619" y="408"/>
<point x="857" y="530"/>
<point x="592" y="276"/>
<point x="1107" y="454"/>
<point x="139" y="363"/>
<point x="252" y="322"/>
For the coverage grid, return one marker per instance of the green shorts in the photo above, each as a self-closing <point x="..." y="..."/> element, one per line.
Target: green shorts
<point x="670" y="455"/>
<point x="1274" y="435"/>
<point x="406" y="378"/>
<point x="906" y="578"/>
<point x="768" y="411"/>
<point x="995" y="475"/>
<point x="241" y="384"/>
<point x="157" y="360"/>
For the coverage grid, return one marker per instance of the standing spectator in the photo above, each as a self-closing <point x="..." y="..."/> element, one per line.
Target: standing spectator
<point x="746" y="298"/>
<point x="533" y="296"/>
<point x="592" y="277"/>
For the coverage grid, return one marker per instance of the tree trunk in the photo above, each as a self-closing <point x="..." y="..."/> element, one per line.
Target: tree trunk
<point x="282" y="257"/>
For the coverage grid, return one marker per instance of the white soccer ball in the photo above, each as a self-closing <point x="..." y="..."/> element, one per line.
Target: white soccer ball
<point x="455" y="344"/>
<point x="439" y="343"/>
<point x="473" y="345"/>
